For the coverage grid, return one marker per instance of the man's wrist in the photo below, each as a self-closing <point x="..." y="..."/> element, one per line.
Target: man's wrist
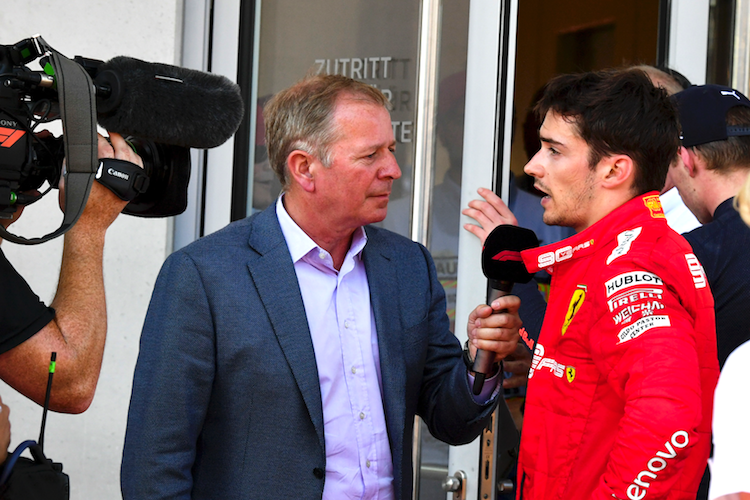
<point x="469" y="361"/>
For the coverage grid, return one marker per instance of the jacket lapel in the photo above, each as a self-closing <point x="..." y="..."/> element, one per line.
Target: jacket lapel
<point x="273" y="273"/>
<point x="383" y="282"/>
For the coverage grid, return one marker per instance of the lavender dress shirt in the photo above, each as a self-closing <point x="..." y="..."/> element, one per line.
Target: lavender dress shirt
<point x="342" y="326"/>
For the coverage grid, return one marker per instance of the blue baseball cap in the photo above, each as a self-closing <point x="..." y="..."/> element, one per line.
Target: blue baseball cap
<point x="703" y="110"/>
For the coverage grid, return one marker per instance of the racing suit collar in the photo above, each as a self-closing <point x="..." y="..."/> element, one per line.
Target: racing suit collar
<point x="628" y="215"/>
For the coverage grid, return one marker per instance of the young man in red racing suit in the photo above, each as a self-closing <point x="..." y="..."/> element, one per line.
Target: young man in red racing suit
<point x="621" y="385"/>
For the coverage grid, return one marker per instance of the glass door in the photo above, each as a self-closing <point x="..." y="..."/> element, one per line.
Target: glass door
<point x="415" y="52"/>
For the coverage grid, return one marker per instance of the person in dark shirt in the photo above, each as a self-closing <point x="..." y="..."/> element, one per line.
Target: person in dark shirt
<point x="715" y="163"/>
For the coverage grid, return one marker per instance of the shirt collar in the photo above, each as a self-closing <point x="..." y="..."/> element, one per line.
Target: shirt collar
<point x="725" y="207"/>
<point x="300" y="244"/>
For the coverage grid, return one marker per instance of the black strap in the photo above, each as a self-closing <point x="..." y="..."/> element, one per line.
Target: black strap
<point x="738" y="130"/>
<point x="77" y="97"/>
<point x="127" y="180"/>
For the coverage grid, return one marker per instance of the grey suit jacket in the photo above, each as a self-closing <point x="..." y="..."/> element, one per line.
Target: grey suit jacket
<point x="226" y="400"/>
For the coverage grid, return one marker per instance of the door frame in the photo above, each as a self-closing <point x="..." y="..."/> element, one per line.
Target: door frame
<point x="490" y="79"/>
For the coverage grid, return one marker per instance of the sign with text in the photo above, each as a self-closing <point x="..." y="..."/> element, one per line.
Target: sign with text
<point x="373" y="42"/>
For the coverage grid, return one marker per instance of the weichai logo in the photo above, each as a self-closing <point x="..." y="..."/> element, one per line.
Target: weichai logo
<point x="9" y="136"/>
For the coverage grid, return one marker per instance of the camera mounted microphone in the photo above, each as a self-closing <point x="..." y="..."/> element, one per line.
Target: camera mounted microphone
<point x="503" y="267"/>
<point x="167" y="104"/>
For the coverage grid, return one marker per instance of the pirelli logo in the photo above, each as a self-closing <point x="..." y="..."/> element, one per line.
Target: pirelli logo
<point x="634" y="296"/>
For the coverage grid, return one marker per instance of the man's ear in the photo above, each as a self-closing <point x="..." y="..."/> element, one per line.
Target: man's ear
<point x="618" y="170"/>
<point x="299" y="162"/>
<point x="688" y="161"/>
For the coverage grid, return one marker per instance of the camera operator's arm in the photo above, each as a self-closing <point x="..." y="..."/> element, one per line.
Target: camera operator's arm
<point x="79" y="329"/>
<point x="4" y="431"/>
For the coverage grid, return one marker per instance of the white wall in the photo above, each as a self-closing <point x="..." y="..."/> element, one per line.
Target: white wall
<point x="90" y="445"/>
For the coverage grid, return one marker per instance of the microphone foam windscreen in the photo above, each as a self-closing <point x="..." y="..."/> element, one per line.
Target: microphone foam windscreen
<point x="168" y="104"/>
<point x="501" y="255"/>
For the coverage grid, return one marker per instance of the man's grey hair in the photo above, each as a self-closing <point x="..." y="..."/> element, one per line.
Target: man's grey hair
<point x="301" y="118"/>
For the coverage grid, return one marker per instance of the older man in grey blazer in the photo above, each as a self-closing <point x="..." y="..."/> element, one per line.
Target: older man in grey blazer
<point x="286" y="355"/>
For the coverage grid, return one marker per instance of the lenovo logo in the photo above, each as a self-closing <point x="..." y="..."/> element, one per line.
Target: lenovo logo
<point x="638" y="489"/>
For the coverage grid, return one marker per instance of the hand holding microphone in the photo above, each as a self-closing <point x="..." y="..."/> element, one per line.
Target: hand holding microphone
<point x="503" y="267"/>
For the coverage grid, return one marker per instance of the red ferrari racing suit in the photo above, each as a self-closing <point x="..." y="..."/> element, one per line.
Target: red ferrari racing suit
<point x="621" y="384"/>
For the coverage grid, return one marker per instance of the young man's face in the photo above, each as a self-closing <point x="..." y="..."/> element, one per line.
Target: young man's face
<point x="562" y="172"/>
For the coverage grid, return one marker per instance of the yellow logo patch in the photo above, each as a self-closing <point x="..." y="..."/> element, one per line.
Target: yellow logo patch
<point x="576" y="301"/>
<point x="653" y="203"/>
<point x="570" y="373"/>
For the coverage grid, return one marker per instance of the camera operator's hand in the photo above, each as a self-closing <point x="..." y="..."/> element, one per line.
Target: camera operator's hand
<point x="79" y="329"/>
<point x="4" y="431"/>
<point x="103" y="206"/>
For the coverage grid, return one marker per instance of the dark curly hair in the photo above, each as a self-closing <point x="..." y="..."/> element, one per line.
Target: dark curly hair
<point x="619" y="112"/>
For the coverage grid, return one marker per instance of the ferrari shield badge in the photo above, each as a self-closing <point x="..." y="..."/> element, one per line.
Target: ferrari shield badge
<point x="576" y="301"/>
<point x="570" y="373"/>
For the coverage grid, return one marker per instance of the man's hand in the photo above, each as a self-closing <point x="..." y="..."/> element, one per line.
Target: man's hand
<point x="103" y="206"/>
<point x="4" y="431"/>
<point x="489" y="212"/>
<point x="493" y="330"/>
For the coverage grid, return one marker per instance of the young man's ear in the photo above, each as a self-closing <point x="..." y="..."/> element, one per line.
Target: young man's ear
<point x="299" y="164"/>
<point x="688" y="161"/>
<point x="619" y="169"/>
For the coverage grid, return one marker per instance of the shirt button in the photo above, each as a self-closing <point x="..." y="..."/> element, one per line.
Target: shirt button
<point x="322" y="255"/>
<point x="362" y="416"/>
<point x="347" y="324"/>
<point x="354" y="369"/>
<point x="368" y="464"/>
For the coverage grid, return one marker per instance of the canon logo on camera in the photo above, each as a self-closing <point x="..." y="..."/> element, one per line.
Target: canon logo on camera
<point x="117" y="173"/>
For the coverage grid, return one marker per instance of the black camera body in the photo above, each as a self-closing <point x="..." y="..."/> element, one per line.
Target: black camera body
<point x="28" y="159"/>
<point x="25" y="161"/>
